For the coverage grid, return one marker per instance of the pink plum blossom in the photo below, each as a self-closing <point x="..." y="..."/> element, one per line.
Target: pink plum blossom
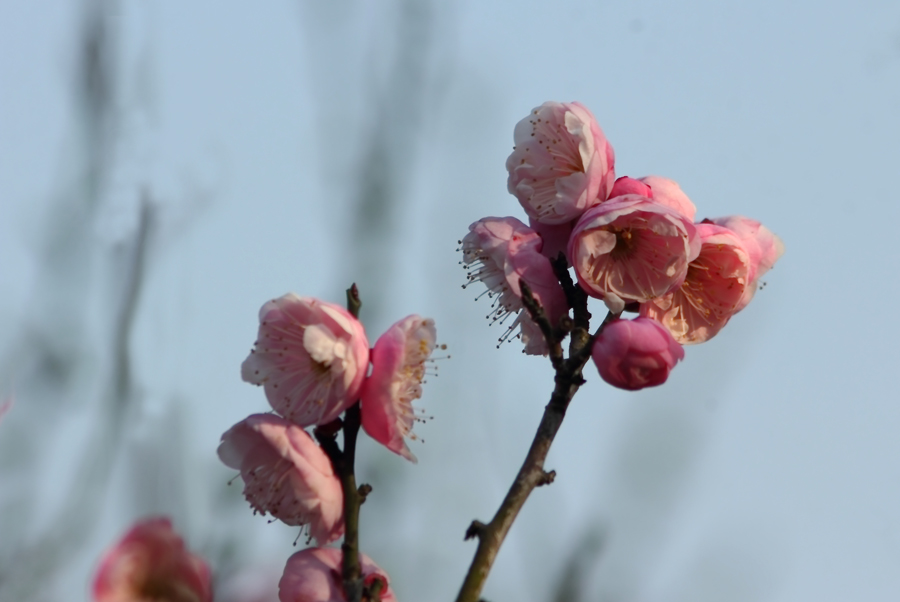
<point x="151" y="563"/>
<point x="310" y="356"/>
<point x="398" y="367"/>
<point x="626" y="185"/>
<point x="314" y="575"/>
<point x="710" y="294"/>
<point x="5" y="406"/>
<point x="634" y="354"/>
<point x="286" y="474"/>
<point x="501" y="251"/>
<point x="763" y="247"/>
<point x="561" y="163"/>
<point x="632" y="249"/>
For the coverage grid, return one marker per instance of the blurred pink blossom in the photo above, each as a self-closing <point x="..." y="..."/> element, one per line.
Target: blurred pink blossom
<point x="561" y="163"/>
<point x="151" y="563"/>
<point x="763" y="247"/>
<point x="5" y="406"/>
<point x="286" y="474"/>
<point x="632" y="249"/>
<point x="314" y="575"/>
<point x="398" y="367"/>
<point x="501" y="251"/>
<point x="311" y="356"/>
<point x="710" y="294"/>
<point x="633" y="354"/>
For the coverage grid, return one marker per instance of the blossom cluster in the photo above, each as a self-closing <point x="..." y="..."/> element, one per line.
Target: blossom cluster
<point x="632" y="242"/>
<point x="312" y="358"/>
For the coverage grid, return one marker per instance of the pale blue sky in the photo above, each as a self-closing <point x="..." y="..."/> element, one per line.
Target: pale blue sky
<point x="768" y="468"/>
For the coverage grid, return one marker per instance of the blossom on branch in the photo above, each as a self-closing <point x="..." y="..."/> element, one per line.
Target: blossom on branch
<point x="634" y="354"/>
<point x="501" y="252"/>
<point x="314" y="575"/>
<point x="310" y="356"/>
<point x="711" y="292"/>
<point x="398" y="367"/>
<point x="763" y="247"/>
<point x="632" y="249"/>
<point x="561" y="163"/>
<point x="286" y="474"/>
<point x="151" y="563"/>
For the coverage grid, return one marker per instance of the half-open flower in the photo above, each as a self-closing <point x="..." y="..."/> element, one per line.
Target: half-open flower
<point x="314" y="575"/>
<point x="310" y="356"/>
<point x="710" y="294"/>
<point x="561" y="163"/>
<point x="634" y="354"/>
<point x="398" y="367"/>
<point x="501" y="252"/>
<point x="151" y="563"/>
<point x="632" y="249"/>
<point x="286" y="474"/>
<point x="763" y="247"/>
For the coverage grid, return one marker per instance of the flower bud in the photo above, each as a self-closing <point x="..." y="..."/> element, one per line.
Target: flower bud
<point x="633" y="354"/>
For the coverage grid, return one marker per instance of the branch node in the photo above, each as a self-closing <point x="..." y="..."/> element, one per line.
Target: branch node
<point x="546" y="478"/>
<point x="363" y="490"/>
<point x="476" y="529"/>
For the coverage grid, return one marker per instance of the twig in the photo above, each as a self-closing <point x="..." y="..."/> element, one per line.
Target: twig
<point x="532" y="474"/>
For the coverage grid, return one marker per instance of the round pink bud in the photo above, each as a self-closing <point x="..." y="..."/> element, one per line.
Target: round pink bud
<point x="561" y="163"/>
<point x="501" y="252"/>
<point x="310" y="356"/>
<point x="286" y="474"/>
<point x="633" y="249"/>
<point x="314" y="575"/>
<point x="763" y="248"/>
<point x="633" y="354"/>
<point x="151" y="563"/>
<point x="711" y="292"/>
<point x="626" y="185"/>
<point x="398" y="367"/>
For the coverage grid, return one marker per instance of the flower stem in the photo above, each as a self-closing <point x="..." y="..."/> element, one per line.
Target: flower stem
<point x="532" y="474"/>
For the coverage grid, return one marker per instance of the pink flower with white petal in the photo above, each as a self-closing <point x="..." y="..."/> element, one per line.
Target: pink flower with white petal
<point x="501" y="252"/>
<point x="561" y="163"/>
<point x="310" y="356"/>
<point x="398" y="367"/>
<point x="763" y="247"/>
<point x="286" y="474"/>
<point x="151" y="563"/>
<point x="314" y="575"/>
<point x="632" y="249"/>
<point x="634" y="354"/>
<point x="711" y="291"/>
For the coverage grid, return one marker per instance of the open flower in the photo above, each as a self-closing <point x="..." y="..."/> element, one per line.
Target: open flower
<point x="286" y="474"/>
<point x="398" y="367"/>
<point x="561" y="163"/>
<point x="711" y="292"/>
<point x="314" y="575"/>
<point x="151" y="563"/>
<point x="501" y="252"/>
<point x="763" y="248"/>
<point x="631" y="248"/>
<point x="310" y="356"/>
<point x="634" y="354"/>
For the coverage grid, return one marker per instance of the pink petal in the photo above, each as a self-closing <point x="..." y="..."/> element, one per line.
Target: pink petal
<point x="398" y="367"/>
<point x="151" y="563"/>
<point x="634" y="354"/>
<point x="561" y="163"/>
<point x="285" y="474"/>
<point x="310" y="356"/>
<point x="314" y="575"/>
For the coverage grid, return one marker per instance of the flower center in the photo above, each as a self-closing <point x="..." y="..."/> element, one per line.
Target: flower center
<point x="626" y="242"/>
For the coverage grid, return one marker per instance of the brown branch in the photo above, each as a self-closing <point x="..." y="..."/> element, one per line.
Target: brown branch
<point x="343" y="462"/>
<point x="532" y="474"/>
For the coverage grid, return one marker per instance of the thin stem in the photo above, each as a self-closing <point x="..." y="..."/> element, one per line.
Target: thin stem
<point x="532" y="474"/>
